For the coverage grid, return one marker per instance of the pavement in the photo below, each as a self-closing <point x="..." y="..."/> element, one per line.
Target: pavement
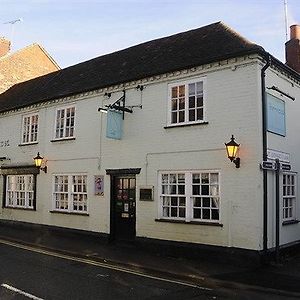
<point x="282" y="278"/>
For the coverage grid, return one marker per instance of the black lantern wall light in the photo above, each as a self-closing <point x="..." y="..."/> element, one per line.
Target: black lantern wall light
<point x="40" y="163"/>
<point x="232" y="148"/>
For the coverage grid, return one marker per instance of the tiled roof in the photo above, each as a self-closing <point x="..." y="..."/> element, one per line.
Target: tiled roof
<point x="176" y="52"/>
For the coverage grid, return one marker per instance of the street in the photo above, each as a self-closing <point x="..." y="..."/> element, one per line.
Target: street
<point x="27" y="273"/>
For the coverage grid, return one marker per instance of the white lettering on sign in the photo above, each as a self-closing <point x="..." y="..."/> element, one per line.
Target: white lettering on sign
<point x="4" y="143"/>
<point x="282" y="156"/>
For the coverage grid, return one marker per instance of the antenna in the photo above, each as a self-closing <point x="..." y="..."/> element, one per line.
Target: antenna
<point x="286" y="20"/>
<point x="12" y="23"/>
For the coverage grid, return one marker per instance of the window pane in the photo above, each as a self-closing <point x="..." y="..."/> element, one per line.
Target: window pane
<point x="181" y="116"/>
<point x="196" y="178"/>
<point x="192" y="89"/>
<point x="196" y="190"/>
<point x="199" y="87"/>
<point x="192" y="115"/>
<point x="173" y="201"/>
<point x="200" y="114"/>
<point x="181" y="189"/>
<point x="174" y="104"/>
<point x="191" y="102"/>
<point x="174" y="117"/>
<point x="174" y="92"/>
<point x="181" y="91"/>
<point x="173" y="211"/>
<point x="199" y="101"/>
<point x="197" y="202"/>
<point x="206" y="213"/>
<point x="206" y="202"/>
<point x="182" y="212"/>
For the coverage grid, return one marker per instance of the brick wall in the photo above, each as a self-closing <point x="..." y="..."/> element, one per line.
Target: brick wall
<point x="23" y="65"/>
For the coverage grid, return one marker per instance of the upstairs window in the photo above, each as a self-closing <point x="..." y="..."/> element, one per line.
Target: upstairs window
<point x="30" y="129"/>
<point x="65" y="123"/>
<point x="186" y="102"/>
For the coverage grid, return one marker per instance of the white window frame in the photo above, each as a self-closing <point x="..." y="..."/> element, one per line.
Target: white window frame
<point x="186" y="109"/>
<point x="64" y="127"/>
<point x="189" y="207"/>
<point x="31" y="130"/>
<point x="12" y="195"/>
<point x="70" y="194"/>
<point x="286" y="194"/>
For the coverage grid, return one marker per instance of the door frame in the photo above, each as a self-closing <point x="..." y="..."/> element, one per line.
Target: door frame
<point x="114" y="173"/>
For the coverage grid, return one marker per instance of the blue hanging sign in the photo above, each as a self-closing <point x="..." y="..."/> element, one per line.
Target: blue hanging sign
<point x="114" y="125"/>
<point x="275" y="115"/>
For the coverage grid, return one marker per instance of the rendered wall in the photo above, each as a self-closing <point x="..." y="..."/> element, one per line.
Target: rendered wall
<point x="288" y="144"/>
<point x="232" y="107"/>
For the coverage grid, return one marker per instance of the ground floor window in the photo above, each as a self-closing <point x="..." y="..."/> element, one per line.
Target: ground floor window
<point x="20" y="191"/>
<point x="70" y="193"/>
<point x="189" y="195"/>
<point x="289" y="197"/>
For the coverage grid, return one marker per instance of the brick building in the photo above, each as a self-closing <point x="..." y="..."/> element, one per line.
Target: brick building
<point x="24" y="64"/>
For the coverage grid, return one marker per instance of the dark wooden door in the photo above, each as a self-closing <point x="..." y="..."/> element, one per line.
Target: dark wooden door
<point x="124" y="210"/>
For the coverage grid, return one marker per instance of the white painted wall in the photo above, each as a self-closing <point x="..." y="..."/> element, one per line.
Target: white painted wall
<point x="233" y="107"/>
<point x="288" y="144"/>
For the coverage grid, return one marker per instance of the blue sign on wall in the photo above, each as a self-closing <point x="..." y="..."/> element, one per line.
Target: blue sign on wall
<point x="114" y="125"/>
<point x="275" y="115"/>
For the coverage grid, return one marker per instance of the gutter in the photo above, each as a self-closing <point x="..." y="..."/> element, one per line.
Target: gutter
<point x="265" y="156"/>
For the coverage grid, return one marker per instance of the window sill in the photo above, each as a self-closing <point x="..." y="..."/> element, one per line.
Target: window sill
<point x="63" y="140"/>
<point x="28" y="144"/>
<point x="69" y="213"/>
<point x="20" y="208"/>
<point x="290" y="222"/>
<point x="185" y="125"/>
<point x="191" y="222"/>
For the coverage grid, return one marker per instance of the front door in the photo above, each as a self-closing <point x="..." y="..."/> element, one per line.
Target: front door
<point x="123" y="207"/>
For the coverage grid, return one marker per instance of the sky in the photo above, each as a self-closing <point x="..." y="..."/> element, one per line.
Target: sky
<point x="76" y="30"/>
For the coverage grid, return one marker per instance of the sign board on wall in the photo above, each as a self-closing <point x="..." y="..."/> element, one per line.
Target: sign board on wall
<point x="275" y="154"/>
<point x="99" y="185"/>
<point x="275" y="115"/>
<point x="114" y="125"/>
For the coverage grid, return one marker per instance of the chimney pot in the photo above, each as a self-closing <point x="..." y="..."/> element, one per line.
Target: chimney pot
<point x="295" y="32"/>
<point x="4" y="46"/>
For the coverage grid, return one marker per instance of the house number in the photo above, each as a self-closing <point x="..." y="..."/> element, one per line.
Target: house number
<point x="4" y="143"/>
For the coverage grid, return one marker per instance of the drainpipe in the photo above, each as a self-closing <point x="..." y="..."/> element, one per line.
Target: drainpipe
<point x="265" y="157"/>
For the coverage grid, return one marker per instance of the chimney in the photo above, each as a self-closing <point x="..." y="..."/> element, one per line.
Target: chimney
<point x="292" y="48"/>
<point x="4" y="46"/>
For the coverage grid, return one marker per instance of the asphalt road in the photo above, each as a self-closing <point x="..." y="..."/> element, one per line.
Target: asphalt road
<point x="29" y="275"/>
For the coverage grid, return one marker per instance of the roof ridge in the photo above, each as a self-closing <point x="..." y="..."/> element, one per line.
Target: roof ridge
<point x="237" y="34"/>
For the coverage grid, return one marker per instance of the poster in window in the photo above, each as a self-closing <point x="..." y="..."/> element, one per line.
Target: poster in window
<point x="275" y="115"/>
<point x="99" y="185"/>
<point x="114" y="125"/>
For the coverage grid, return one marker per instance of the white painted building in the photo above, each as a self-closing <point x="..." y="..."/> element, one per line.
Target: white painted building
<point x="168" y="177"/>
